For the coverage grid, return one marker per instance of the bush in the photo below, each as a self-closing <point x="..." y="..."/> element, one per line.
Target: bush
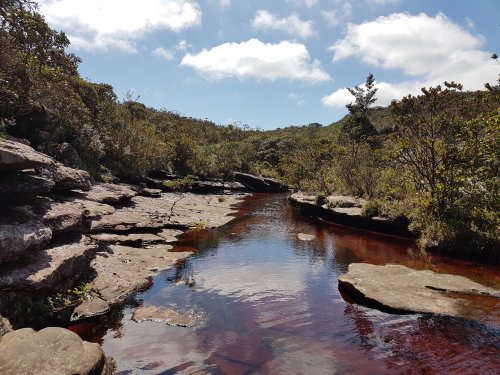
<point x="321" y="199"/>
<point x="371" y="209"/>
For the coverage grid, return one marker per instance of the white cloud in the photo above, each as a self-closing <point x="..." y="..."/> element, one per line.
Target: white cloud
<point x="117" y="24"/>
<point x="335" y="18"/>
<point x="307" y="3"/>
<point x="257" y="60"/>
<point x="292" y="25"/>
<point x="163" y="53"/>
<point x="183" y="45"/>
<point x="429" y="50"/>
<point x="225" y="3"/>
<point x="382" y="2"/>
<point x="297" y="99"/>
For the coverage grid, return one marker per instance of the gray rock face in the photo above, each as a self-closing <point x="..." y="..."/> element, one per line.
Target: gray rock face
<point x="66" y="178"/>
<point x="50" y="351"/>
<point x="402" y="289"/>
<point x="112" y="194"/>
<point x="48" y="268"/>
<point x="21" y="187"/>
<point x="16" y="156"/>
<point x="18" y="239"/>
<point x="5" y="326"/>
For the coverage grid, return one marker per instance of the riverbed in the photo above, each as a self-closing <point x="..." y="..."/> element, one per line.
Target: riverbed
<point x="265" y="295"/>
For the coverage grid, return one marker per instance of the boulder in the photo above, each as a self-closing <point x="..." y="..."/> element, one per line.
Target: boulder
<point x="48" y="269"/>
<point x="66" y="178"/>
<point x="17" y="239"/>
<point x="22" y="187"/>
<point x="112" y="194"/>
<point x="50" y="351"/>
<point x="397" y="288"/>
<point x="258" y="183"/>
<point x="5" y="326"/>
<point x="15" y="156"/>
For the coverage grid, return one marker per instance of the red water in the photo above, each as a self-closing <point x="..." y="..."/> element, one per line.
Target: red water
<point x="269" y="304"/>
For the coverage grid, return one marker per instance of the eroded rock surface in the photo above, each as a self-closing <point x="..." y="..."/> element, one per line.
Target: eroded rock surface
<point x="402" y="289"/>
<point x="50" y="351"/>
<point x="126" y="269"/>
<point x="48" y="268"/>
<point x="88" y="309"/>
<point x="112" y="194"/>
<point x="21" y="187"/>
<point x="17" y="239"/>
<point x="16" y="156"/>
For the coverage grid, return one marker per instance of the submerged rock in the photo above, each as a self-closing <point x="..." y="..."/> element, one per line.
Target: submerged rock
<point x="169" y="316"/>
<point x="51" y="351"/>
<point x="401" y="289"/>
<point x="306" y="237"/>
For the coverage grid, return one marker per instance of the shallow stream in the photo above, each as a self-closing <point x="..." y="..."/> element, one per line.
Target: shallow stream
<point x="268" y="303"/>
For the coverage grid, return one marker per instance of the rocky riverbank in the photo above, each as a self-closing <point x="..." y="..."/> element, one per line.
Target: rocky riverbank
<point x="61" y="232"/>
<point x="348" y="211"/>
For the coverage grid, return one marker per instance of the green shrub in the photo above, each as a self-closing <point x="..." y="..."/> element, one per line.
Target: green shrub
<point x="370" y="209"/>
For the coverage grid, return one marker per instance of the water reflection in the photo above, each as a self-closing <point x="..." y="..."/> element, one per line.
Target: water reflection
<point x="272" y="306"/>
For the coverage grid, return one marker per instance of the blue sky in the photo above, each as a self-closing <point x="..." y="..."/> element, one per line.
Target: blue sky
<point x="277" y="63"/>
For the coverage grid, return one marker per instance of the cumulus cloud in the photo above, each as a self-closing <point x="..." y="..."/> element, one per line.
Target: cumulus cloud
<point x="117" y="24"/>
<point x="254" y="59"/>
<point x="429" y="50"/>
<point x="292" y="25"/>
<point x="163" y="53"/>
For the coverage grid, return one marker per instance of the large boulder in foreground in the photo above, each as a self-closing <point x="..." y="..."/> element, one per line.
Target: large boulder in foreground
<point x="51" y="351"/>
<point x="396" y="288"/>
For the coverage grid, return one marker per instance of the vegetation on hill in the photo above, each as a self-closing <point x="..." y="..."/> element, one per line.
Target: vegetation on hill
<point x="431" y="158"/>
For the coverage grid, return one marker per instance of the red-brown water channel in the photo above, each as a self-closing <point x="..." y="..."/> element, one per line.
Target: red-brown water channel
<point x="270" y="304"/>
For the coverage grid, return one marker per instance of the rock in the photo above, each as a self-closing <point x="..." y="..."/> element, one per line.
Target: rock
<point x="152" y="193"/>
<point x="133" y="239"/>
<point x="50" y="351"/>
<point x="306" y="237"/>
<point x="152" y="213"/>
<point x="110" y="193"/>
<point x="67" y="155"/>
<point x="169" y="316"/>
<point x="15" y="156"/>
<point x="401" y="289"/>
<point x="66" y="178"/>
<point x="345" y="201"/>
<point x="169" y="235"/>
<point x="88" y="309"/>
<point x="22" y="187"/>
<point x="126" y="269"/>
<point x="5" y="326"/>
<point x="259" y="184"/>
<point x="18" y="239"/>
<point x="49" y="268"/>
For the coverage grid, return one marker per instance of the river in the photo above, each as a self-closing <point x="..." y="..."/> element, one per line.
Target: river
<point x="269" y="303"/>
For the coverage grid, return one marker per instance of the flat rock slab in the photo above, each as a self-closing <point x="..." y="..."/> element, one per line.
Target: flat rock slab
<point x="126" y="270"/>
<point x="16" y="156"/>
<point x="22" y="187"/>
<point x="49" y="268"/>
<point x="169" y="316"/>
<point x="50" y="351"/>
<point x="131" y="239"/>
<point x="401" y="289"/>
